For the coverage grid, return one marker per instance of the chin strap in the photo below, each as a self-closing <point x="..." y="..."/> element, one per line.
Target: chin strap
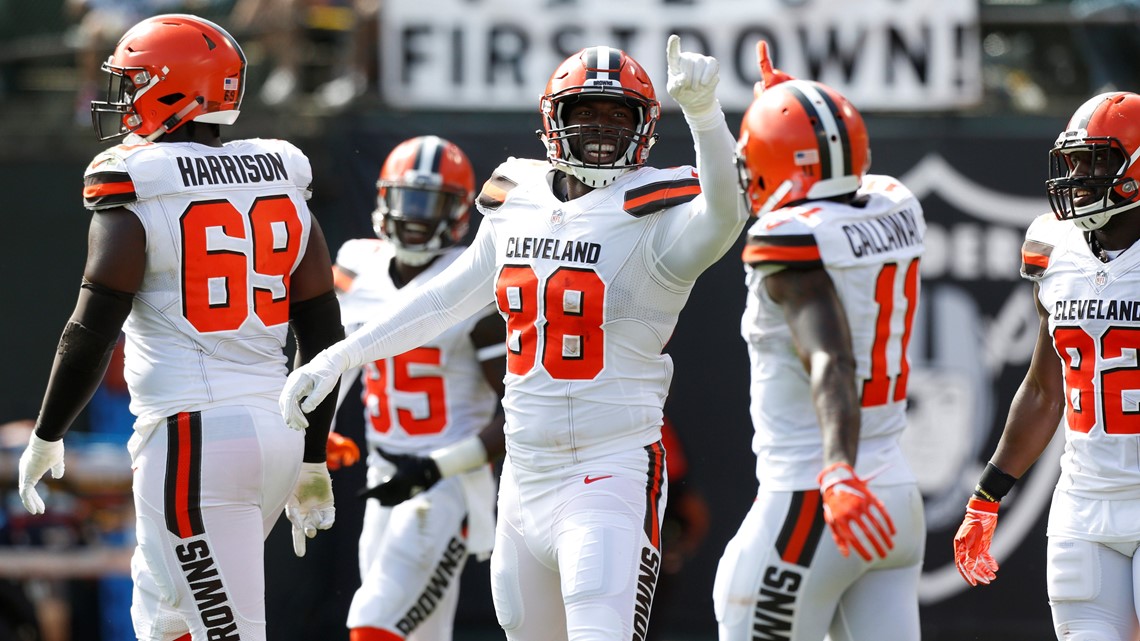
<point x="173" y="121"/>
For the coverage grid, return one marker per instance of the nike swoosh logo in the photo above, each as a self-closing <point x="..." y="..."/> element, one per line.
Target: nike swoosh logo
<point x="589" y="480"/>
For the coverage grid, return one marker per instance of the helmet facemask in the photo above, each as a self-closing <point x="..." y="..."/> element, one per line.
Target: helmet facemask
<point x="1103" y="187"/>
<point x="418" y="220"/>
<point x="598" y="73"/>
<point x="633" y="144"/>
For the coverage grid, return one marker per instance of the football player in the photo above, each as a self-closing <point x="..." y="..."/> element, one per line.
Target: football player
<point x="590" y="256"/>
<point x="421" y="404"/>
<point x="831" y="267"/>
<point x="208" y="253"/>
<point x="1081" y="377"/>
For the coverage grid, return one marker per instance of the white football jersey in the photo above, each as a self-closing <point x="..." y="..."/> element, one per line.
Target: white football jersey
<point x="432" y="395"/>
<point x="590" y="289"/>
<point x="1094" y="318"/>
<point x="225" y="228"/>
<point x="588" y="311"/>
<point x="871" y="252"/>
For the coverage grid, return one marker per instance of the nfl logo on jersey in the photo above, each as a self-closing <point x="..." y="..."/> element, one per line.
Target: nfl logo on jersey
<point x="556" y="217"/>
<point x="1100" y="279"/>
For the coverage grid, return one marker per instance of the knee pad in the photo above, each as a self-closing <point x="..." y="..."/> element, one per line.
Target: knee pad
<point x="151" y="542"/>
<point x="505" y="590"/>
<point x="727" y="611"/>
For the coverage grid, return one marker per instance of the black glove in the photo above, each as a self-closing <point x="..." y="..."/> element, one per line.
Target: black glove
<point x="413" y="475"/>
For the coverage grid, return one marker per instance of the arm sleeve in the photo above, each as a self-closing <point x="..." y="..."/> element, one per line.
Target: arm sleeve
<point x="465" y="287"/>
<point x="81" y="357"/>
<point x="316" y="325"/>
<point x="692" y="238"/>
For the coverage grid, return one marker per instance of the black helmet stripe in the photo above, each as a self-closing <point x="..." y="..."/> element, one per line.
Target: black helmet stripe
<point x="841" y="131"/>
<point x="601" y="62"/>
<point x="429" y="157"/>
<point x="830" y="131"/>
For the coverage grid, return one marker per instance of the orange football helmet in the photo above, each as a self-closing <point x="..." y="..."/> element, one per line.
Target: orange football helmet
<point x="800" y="140"/>
<point x="1093" y="173"/>
<point x="607" y="73"/>
<point x="168" y="70"/>
<point x="423" y="203"/>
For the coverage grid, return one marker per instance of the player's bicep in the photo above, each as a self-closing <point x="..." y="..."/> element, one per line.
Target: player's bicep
<point x="314" y="274"/>
<point x="489" y="337"/>
<point x="116" y="250"/>
<point x="1046" y="371"/>
<point x="814" y="312"/>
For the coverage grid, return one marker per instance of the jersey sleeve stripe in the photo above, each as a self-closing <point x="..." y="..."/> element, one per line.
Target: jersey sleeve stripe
<point x="494" y="192"/>
<point x="1035" y="257"/>
<point x="108" y="189"/>
<point x="660" y="195"/>
<point x="342" y="278"/>
<point x="794" y="250"/>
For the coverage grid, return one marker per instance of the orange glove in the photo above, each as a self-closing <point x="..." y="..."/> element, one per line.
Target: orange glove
<point x="972" y="542"/>
<point x="848" y="501"/>
<point x="769" y="75"/>
<point x="341" y="451"/>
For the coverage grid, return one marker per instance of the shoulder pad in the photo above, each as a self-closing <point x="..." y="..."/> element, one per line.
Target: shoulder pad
<point x="352" y="259"/>
<point x="887" y="185"/>
<point x="1038" y="246"/>
<point x="657" y="196"/>
<point x="495" y="190"/>
<point x="106" y="181"/>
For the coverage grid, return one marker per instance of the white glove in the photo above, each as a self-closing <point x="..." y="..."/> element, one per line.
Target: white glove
<point x="692" y="80"/>
<point x="38" y="458"/>
<point x="312" y="382"/>
<point x="310" y="507"/>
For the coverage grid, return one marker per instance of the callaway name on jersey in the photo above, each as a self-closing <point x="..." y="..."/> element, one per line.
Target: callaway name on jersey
<point x="870" y="251"/>
<point x="432" y="395"/>
<point x="1094" y="318"/>
<point x="225" y="228"/>
<point x="588" y="311"/>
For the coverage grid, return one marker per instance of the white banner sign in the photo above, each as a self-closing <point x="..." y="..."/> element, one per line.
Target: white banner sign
<point x="885" y="55"/>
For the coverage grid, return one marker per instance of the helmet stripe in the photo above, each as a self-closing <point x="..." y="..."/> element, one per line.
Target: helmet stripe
<point x="602" y="63"/>
<point x="841" y="129"/>
<point x="429" y="156"/>
<point x="1084" y="113"/>
<point x="831" y="134"/>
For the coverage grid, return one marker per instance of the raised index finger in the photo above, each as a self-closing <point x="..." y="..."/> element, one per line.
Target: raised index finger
<point x="763" y="58"/>
<point x="673" y="53"/>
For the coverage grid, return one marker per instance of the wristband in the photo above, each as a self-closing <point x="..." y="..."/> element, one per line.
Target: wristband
<point x="460" y="457"/>
<point x="994" y="484"/>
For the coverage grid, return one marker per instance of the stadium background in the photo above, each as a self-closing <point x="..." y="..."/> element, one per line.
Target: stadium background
<point x="976" y="161"/>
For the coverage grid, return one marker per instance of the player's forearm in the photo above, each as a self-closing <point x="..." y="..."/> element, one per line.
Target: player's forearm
<point x="316" y="325"/>
<point x="80" y="361"/>
<point x="81" y="357"/>
<point x="836" y="407"/>
<point x="1033" y="418"/>
<point x="718" y="215"/>
<point x="451" y="296"/>
<point x="720" y="182"/>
